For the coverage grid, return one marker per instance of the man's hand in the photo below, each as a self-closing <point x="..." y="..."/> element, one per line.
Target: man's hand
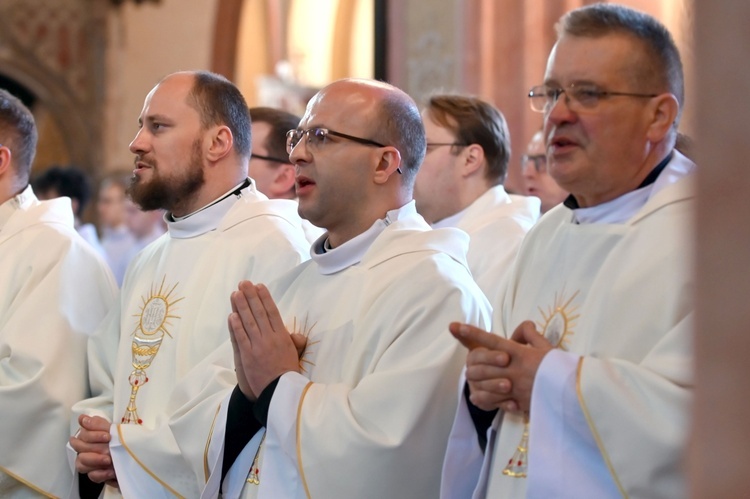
<point x="266" y="349"/>
<point x="92" y="445"/>
<point x="239" y="369"/>
<point x="501" y="372"/>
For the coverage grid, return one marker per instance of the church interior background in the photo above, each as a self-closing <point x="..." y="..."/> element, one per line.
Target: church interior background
<point x="84" y="67"/>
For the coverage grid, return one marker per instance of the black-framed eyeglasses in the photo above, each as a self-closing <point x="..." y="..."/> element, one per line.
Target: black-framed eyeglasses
<point x="538" y="160"/>
<point x="316" y="137"/>
<point x="269" y="158"/>
<point x="578" y="96"/>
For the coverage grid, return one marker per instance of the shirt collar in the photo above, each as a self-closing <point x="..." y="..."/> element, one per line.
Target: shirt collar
<point x="623" y="208"/>
<point x="350" y="253"/>
<point x="207" y="218"/>
<point x="20" y="201"/>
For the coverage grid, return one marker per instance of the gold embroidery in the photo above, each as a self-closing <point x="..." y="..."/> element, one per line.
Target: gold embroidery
<point x="206" y="471"/>
<point x="594" y="432"/>
<point x="559" y="321"/>
<point x="253" y="476"/>
<point x="557" y="327"/>
<point x="151" y="473"/>
<point x="519" y="462"/>
<point x="27" y="483"/>
<point x="299" y="439"/>
<point x="153" y="320"/>
<point x="304" y="331"/>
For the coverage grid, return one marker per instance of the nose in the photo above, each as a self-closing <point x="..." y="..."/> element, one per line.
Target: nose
<point x="300" y="153"/>
<point x="528" y="171"/>
<point x="560" y="111"/>
<point x="137" y="146"/>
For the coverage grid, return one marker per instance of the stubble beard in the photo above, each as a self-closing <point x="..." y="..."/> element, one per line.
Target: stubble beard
<point x="169" y="192"/>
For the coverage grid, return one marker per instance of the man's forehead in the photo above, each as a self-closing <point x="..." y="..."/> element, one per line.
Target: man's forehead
<point x="165" y="99"/>
<point x="340" y="102"/>
<point x="583" y="58"/>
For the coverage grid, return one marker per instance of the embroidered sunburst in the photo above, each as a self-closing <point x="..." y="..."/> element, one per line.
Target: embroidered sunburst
<point x="557" y="326"/>
<point x="305" y="331"/>
<point x="253" y="475"/>
<point x="153" y="321"/>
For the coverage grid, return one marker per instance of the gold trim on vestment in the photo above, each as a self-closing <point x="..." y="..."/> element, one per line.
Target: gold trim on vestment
<point x="299" y="439"/>
<point x="27" y="483"/>
<point x="162" y="482"/>
<point x="206" y="471"/>
<point x="152" y="324"/>
<point x="595" y="433"/>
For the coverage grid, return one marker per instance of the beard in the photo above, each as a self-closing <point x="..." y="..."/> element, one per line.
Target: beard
<point x="169" y="192"/>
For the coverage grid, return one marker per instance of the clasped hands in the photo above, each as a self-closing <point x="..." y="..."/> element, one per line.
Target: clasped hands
<point x="500" y="372"/>
<point x="263" y="348"/>
<point x="91" y="443"/>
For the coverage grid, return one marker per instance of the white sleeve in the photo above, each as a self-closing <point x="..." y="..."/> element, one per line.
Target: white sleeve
<point x="563" y="455"/>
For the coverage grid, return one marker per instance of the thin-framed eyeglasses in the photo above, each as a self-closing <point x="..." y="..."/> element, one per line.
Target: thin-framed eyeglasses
<point x="269" y="158"/>
<point x="579" y="96"/>
<point x="316" y="137"/>
<point x="538" y="160"/>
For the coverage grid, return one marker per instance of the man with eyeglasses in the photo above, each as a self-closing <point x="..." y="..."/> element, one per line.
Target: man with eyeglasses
<point x="584" y="390"/>
<point x="364" y="411"/>
<point x="191" y="153"/>
<point x="55" y="291"/>
<point x="269" y="162"/>
<point x="537" y="181"/>
<point x="270" y="166"/>
<point x="460" y="184"/>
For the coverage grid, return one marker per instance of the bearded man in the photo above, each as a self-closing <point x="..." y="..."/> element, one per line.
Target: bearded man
<point x="191" y="159"/>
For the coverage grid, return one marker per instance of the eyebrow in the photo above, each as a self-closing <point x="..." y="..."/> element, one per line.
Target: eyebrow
<point x="154" y="117"/>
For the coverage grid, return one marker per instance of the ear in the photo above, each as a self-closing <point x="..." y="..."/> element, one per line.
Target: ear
<point x="221" y="143"/>
<point x="5" y="157"/>
<point x="283" y="182"/>
<point x="473" y="156"/>
<point x="663" y="112"/>
<point x="389" y="163"/>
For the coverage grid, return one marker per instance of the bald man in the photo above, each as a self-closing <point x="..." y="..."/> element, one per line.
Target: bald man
<point x="363" y="407"/>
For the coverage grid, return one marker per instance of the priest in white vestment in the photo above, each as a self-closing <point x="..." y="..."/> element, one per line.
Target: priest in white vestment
<point x="175" y="295"/>
<point x="460" y="184"/>
<point x="55" y="291"/>
<point x="586" y="387"/>
<point x="363" y="409"/>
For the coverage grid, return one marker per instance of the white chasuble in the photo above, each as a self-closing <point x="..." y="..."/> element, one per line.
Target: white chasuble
<point x="609" y="409"/>
<point x="55" y="291"/>
<point x="173" y="314"/>
<point x="370" y="412"/>
<point x="496" y="223"/>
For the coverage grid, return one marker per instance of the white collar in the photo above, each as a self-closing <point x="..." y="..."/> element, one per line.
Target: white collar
<point x="204" y="219"/>
<point x="351" y="252"/>
<point x="20" y="201"/>
<point x="623" y="208"/>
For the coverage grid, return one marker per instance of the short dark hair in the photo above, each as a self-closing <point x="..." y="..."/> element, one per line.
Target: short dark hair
<point x="663" y="66"/>
<point x="219" y="102"/>
<point x="18" y="132"/>
<point x="280" y="122"/>
<point x="401" y="127"/>
<point x="475" y="121"/>
<point x="67" y="181"/>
